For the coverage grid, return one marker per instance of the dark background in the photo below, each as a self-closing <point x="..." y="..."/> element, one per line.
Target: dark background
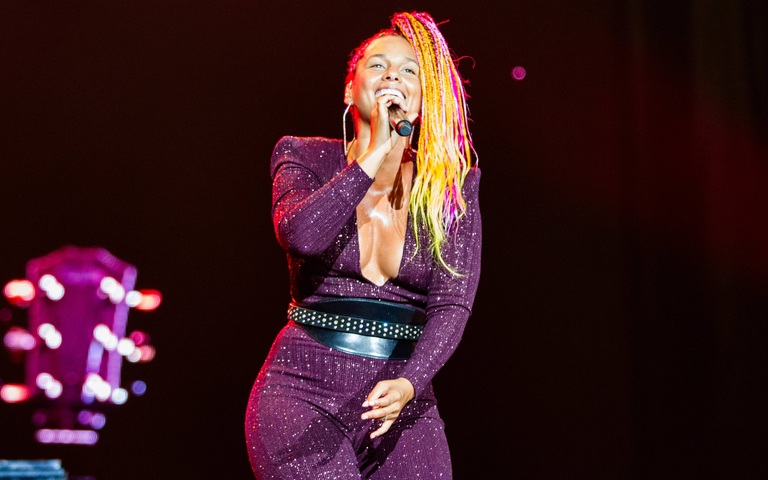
<point x="620" y="326"/>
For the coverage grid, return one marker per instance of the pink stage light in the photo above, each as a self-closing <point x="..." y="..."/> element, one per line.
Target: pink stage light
<point x="64" y="436"/>
<point x="518" y="73"/>
<point x="18" y="339"/>
<point x="147" y="353"/>
<point x="139" y="338"/>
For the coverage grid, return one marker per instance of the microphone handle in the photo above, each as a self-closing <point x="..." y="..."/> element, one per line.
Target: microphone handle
<point x="401" y="124"/>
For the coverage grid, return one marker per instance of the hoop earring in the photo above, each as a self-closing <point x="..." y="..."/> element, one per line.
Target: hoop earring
<point x="344" y="128"/>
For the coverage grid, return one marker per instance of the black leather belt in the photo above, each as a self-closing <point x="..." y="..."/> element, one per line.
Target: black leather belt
<point x="361" y="326"/>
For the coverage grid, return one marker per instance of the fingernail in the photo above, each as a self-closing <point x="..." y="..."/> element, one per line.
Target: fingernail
<point x="364" y="417"/>
<point x="365" y="403"/>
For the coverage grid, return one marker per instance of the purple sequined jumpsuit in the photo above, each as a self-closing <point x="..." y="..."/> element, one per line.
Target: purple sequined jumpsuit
<point x="303" y="418"/>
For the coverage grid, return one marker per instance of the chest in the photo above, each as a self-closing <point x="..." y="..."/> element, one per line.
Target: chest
<point x="381" y="233"/>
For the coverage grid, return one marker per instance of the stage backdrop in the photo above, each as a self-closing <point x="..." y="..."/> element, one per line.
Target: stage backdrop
<point x="620" y="327"/>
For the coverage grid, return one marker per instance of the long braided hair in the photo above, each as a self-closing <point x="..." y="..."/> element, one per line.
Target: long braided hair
<point x="445" y="149"/>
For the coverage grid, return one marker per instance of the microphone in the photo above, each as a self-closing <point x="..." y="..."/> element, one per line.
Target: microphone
<point x="401" y="124"/>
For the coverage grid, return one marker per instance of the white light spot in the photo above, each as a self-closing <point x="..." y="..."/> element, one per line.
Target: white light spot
<point x="133" y="298"/>
<point x="43" y="380"/>
<point x="125" y="346"/>
<point x="111" y="342"/>
<point x="53" y="340"/>
<point x="47" y="281"/>
<point x="117" y="294"/>
<point x="101" y="332"/>
<point x="119" y="396"/>
<point x="107" y="285"/>
<point x="134" y="356"/>
<point x="45" y="329"/>
<point x="54" y="389"/>
<point x="56" y="292"/>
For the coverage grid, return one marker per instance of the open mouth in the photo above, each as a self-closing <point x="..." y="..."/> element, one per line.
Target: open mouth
<point x="389" y="91"/>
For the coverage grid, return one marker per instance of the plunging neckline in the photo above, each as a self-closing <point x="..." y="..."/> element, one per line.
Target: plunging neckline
<point x="404" y="252"/>
<point x="406" y="237"/>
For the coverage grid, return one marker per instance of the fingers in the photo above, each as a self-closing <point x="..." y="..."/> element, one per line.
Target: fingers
<point x="380" y="390"/>
<point x="386" y="416"/>
<point x="386" y="400"/>
<point x="384" y="428"/>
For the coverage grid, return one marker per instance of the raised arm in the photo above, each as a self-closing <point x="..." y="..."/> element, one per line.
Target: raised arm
<point x="310" y="201"/>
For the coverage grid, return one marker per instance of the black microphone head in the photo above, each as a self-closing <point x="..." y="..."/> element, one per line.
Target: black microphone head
<point x="404" y="128"/>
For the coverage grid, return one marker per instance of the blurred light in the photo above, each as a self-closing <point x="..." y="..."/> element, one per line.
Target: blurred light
<point x="101" y="332"/>
<point x="108" y="285"/>
<point x="119" y="396"/>
<point x="13" y="393"/>
<point x="84" y="417"/>
<point x="117" y="294"/>
<point x="54" y="389"/>
<point x="45" y="329"/>
<point x="134" y="356"/>
<point x="150" y="300"/>
<point x="98" y="420"/>
<point x="518" y="73"/>
<point x="139" y="388"/>
<point x="139" y="337"/>
<point x="125" y="346"/>
<point x="56" y="292"/>
<point x="43" y="380"/>
<point x="133" y="298"/>
<point x="5" y="314"/>
<point x="147" y="353"/>
<point x="96" y="386"/>
<point x="111" y="342"/>
<point x="79" y="437"/>
<point x="47" y="281"/>
<point x="53" y="340"/>
<point x="19" y="292"/>
<point x="17" y="339"/>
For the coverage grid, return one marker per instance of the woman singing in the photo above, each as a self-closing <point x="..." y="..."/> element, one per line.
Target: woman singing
<point x="383" y="244"/>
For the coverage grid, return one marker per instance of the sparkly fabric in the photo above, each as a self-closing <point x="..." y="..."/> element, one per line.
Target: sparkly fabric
<point x="303" y="418"/>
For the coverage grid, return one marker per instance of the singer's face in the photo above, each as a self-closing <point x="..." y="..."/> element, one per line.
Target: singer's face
<point x="388" y="67"/>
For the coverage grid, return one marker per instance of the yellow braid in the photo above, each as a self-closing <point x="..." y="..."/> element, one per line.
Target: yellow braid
<point x="445" y="145"/>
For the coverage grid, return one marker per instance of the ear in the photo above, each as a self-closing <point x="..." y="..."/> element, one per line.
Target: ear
<point x="348" y="94"/>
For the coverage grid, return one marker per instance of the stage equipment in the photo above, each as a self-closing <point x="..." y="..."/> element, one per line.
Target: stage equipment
<point x="75" y="341"/>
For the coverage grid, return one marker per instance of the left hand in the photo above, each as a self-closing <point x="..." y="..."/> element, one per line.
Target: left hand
<point x="386" y="401"/>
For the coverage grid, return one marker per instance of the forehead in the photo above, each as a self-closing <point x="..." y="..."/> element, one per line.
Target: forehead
<point x="391" y="46"/>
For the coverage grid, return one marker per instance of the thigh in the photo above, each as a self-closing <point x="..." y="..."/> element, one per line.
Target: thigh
<point x="296" y="424"/>
<point x="288" y="439"/>
<point x="414" y="447"/>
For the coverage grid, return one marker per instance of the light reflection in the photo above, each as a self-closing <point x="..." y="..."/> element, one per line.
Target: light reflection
<point x="14" y="393"/>
<point x="64" y="436"/>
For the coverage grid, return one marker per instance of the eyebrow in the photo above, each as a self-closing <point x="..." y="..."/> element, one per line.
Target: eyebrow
<point x="384" y="56"/>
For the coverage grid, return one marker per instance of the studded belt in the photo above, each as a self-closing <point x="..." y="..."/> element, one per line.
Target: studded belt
<point x="369" y="328"/>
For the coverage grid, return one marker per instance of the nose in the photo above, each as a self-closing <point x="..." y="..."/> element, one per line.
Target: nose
<point x="392" y="74"/>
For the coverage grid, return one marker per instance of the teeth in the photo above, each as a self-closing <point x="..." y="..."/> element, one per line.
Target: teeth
<point x="389" y="91"/>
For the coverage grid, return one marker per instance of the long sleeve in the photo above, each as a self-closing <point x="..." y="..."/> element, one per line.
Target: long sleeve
<point x="450" y="297"/>
<point x="311" y="199"/>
